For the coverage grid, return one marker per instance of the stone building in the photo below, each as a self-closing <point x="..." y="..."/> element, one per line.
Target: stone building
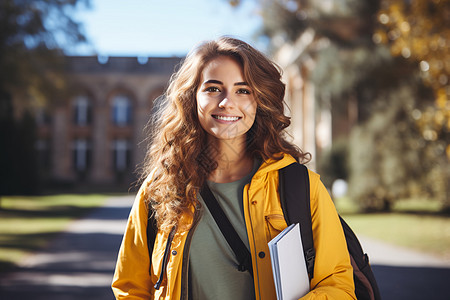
<point x="315" y="124"/>
<point x="95" y="138"/>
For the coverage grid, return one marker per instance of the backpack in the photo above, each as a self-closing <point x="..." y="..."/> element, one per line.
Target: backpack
<point x="294" y="196"/>
<point x="295" y="202"/>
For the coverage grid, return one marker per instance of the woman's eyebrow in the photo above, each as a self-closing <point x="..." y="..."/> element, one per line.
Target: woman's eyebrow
<point x="220" y="82"/>
<point x="213" y="81"/>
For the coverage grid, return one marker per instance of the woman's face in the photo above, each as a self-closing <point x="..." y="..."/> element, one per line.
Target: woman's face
<point x="226" y="104"/>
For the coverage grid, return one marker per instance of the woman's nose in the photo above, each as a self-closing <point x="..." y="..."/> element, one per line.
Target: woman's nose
<point x="226" y="102"/>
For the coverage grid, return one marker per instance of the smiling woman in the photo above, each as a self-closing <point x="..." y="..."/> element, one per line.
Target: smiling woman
<point x="226" y="108"/>
<point x="222" y="130"/>
<point x="225" y="103"/>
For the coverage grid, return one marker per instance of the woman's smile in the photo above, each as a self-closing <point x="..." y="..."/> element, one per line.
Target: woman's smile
<point x="226" y="119"/>
<point x="226" y="104"/>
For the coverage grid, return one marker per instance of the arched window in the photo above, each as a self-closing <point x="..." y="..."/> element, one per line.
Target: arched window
<point x="81" y="154"/>
<point x="121" y="110"/>
<point x="121" y="154"/>
<point x="82" y="111"/>
<point x="43" y="153"/>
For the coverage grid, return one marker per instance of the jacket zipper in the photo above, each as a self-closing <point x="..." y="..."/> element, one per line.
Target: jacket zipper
<point x="186" y="251"/>
<point x="165" y="258"/>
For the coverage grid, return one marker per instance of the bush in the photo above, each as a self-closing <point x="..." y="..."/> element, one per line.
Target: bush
<point x="333" y="163"/>
<point x="390" y="160"/>
<point x="18" y="157"/>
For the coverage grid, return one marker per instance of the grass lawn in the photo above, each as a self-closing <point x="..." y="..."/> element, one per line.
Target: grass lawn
<point x="430" y="234"/>
<point x="412" y="224"/>
<point x="28" y="223"/>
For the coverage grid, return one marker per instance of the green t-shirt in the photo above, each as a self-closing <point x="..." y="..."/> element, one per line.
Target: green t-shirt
<point x="213" y="265"/>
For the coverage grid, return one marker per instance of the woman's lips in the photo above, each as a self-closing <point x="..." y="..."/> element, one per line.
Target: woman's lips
<point x="226" y="118"/>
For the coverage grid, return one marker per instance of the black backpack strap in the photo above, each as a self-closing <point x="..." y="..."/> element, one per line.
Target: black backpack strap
<point x="152" y="230"/>
<point x="295" y="202"/>
<point x="240" y="250"/>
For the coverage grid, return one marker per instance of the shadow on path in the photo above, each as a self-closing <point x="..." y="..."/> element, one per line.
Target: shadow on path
<point x="78" y="264"/>
<point x="398" y="282"/>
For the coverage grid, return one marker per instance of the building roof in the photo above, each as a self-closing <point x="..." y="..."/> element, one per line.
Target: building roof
<point x="135" y="65"/>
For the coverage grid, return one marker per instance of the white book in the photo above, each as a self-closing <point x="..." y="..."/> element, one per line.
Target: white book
<point x="288" y="264"/>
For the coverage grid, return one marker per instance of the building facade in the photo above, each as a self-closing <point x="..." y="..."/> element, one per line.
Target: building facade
<point x="315" y="124"/>
<point x="97" y="137"/>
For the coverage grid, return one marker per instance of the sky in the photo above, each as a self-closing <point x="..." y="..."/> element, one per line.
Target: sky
<point x="162" y="27"/>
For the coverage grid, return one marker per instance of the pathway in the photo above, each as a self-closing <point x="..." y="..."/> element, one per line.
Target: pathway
<point x="80" y="263"/>
<point x="77" y="265"/>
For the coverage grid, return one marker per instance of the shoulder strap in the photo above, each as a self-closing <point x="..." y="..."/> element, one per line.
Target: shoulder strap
<point x="152" y="230"/>
<point x="295" y="202"/>
<point x="240" y="250"/>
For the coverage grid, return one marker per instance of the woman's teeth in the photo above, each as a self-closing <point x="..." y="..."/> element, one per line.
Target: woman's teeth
<point x="225" y="118"/>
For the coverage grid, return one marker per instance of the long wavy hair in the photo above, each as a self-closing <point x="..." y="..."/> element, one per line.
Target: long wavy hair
<point x="179" y="158"/>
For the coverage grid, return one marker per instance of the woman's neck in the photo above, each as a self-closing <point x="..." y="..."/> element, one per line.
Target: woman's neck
<point x="233" y="162"/>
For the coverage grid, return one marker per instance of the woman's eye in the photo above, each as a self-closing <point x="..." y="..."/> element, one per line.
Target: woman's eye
<point x="243" y="91"/>
<point x="212" y="89"/>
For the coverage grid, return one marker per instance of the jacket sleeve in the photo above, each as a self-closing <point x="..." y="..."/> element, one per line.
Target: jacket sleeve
<point x="131" y="277"/>
<point x="333" y="273"/>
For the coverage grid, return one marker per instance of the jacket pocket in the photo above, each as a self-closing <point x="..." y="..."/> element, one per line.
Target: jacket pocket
<point x="275" y="223"/>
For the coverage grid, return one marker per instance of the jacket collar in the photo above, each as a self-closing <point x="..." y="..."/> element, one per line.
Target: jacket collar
<point x="274" y="165"/>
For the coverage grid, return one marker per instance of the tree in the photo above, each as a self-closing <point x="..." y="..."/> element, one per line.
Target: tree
<point x="401" y="133"/>
<point x="419" y="31"/>
<point x="390" y="160"/>
<point x="32" y="36"/>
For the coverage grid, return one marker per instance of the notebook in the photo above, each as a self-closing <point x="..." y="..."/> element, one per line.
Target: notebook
<point x="288" y="264"/>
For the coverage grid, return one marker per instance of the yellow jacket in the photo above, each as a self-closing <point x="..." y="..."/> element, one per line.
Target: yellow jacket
<point x="333" y="274"/>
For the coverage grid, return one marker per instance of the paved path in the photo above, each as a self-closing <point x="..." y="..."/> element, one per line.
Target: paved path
<point x="405" y="274"/>
<point x="80" y="263"/>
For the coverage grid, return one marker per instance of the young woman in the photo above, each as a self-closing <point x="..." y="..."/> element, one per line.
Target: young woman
<point x="222" y="124"/>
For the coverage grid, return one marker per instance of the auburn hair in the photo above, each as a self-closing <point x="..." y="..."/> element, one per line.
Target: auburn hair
<point x="179" y="158"/>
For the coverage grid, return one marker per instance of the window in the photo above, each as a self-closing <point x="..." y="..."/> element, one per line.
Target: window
<point x="81" y="149"/>
<point x="43" y="153"/>
<point x="121" y="151"/>
<point x="42" y="117"/>
<point x="82" y="111"/>
<point x="121" y="110"/>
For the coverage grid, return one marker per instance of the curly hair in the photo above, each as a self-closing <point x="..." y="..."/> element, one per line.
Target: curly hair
<point x="179" y="157"/>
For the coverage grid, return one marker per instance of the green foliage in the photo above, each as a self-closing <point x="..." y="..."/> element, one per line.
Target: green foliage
<point x="399" y="144"/>
<point x="333" y="163"/>
<point x="32" y="36"/>
<point x="282" y="19"/>
<point x="388" y="159"/>
<point x="419" y="31"/>
<point x="338" y="70"/>
<point x="347" y="22"/>
<point x="18" y="157"/>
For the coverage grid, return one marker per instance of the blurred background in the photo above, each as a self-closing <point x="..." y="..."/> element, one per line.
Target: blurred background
<point x="367" y="89"/>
